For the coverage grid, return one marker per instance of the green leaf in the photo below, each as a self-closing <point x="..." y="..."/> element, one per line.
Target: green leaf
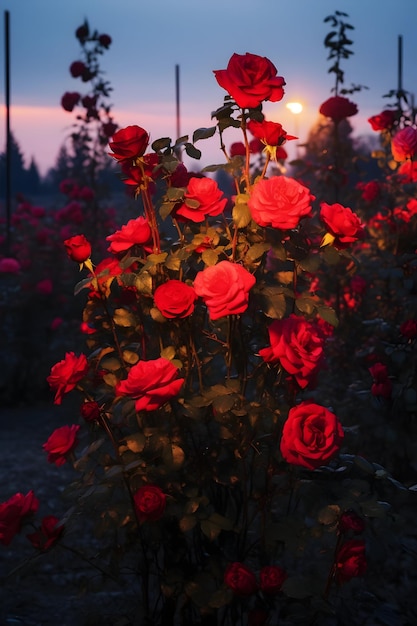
<point x="175" y="194"/>
<point x="210" y="257"/>
<point x="192" y="151"/>
<point x="241" y="215"/>
<point x="306" y="305"/>
<point x="203" y="133"/>
<point x="256" y="251"/>
<point x="180" y="141"/>
<point x="274" y="303"/>
<point x="161" y="144"/>
<point x="86" y="282"/>
<point x="328" y="315"/>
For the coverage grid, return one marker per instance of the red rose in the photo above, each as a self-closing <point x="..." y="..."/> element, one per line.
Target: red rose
<point x="136" y="231"/>
<point x="105" y="272"/>
<point x="270" y="133"/>
<point x="135" y="175"/>
<point x="180" y="177"/>
<point x="342" y="224"/>
<point x="90" y="411"/>
<point x="78" y="248"/>
<point x="250" y="79"/>
<point x="349" y="520"/>
<point x="370" y="191"/>
<point x="47" y="535"/>
<point x="66" y="374"/>
<point x="280" y="202"/>
<point x="408" y="171"/>
<point x="175" y="299"/>
<point x="202" y="199"/>
<point x="383" y="121"/>
<point x="311" y="436"/>
<point x="105" y="40"/>
<point x="109" y="129"/>
<point x="351" y="560"/>
<point x="257" y="617"/>
<point x="13" y="513"/>
<point x="151" y="383"/>
<point x="358" y="285"/>
<point x="69" y="100"/>
<point x="61" y="443"/>
<point x="337" y="108"/>
<point x="150" y="502"/>
<point x="224" y="288"/>
<point x="409" y="329"/>
<point x="77" y="69"/>
<point x="129" y="143"/>
<point x="256" y="146"/>
<point x="237" y="149"/>
<point x="297" y="346"/>
<point x="240" y="579"/>
<point x="82" y="32"/>
<point x="382" y="386"/>
<point x="404" y="144"/>
<point x="271" y="579"/>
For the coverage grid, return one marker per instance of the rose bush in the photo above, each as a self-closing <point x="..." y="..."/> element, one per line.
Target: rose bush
<point x="215" y="472"/>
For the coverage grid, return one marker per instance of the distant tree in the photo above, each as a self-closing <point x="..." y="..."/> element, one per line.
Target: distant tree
<point x="17" y="167"/>
<point x="32" y="179"/>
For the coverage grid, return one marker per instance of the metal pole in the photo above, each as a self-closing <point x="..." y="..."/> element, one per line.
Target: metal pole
<point x="8" y="172"/>
<point x="177" y="99"/>
<point x="400" y="69"/>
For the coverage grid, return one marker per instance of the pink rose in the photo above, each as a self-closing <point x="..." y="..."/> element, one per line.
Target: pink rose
<point x="224" y="288"/>
<point x="202" y="199"/>
<point x="404" y="144"/>
<point x="311" y="436"/>
<point x="250" y="79"/>
<point x="280" y="202"/>
<point x="135" y="232"/>
<point x="297" y="346"/>
<point x="151" y="384"/>
<point x="61" y="443"/>
<point x="175" y="299"/>
<point x="9" y="266"/>
<point x="66" y="374"/>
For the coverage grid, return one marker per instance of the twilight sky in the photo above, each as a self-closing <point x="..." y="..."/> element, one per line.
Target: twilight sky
<point x="150" y="38"/>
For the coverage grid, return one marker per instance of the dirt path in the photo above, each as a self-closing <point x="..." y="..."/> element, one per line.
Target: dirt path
<point x="56" y="588"/>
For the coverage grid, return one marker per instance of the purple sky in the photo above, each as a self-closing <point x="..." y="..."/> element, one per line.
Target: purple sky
<point x="149" y="39"/>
